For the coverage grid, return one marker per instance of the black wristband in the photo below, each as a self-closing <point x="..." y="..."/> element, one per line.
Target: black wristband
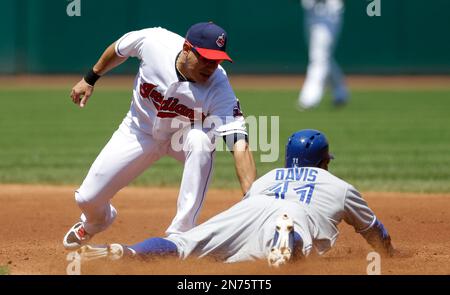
<point x="91" y="77"/>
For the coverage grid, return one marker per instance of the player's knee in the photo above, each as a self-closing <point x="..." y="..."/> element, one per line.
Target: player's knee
<point x="197" y="141"/>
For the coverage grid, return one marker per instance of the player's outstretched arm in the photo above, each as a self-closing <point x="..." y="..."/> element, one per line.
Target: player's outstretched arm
<point x="358" y="214"/>
<point x="244" y="164"/>
<point x="380" y="240"/>
<point x="85" y="87"/>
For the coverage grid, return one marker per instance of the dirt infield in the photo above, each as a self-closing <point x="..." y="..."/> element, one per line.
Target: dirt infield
<point x="35" y="218"/>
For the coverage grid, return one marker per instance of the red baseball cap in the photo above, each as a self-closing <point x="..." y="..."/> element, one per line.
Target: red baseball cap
<point x="209" y="40"/>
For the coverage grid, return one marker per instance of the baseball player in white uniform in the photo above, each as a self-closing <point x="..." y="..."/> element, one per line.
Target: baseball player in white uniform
<point x="179" y="86"/>
<point x="287" y="212"/>
<point x="323" y="21"/>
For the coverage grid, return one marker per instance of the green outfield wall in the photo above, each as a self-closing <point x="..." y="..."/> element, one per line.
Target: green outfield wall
<point x="265" y="36"/>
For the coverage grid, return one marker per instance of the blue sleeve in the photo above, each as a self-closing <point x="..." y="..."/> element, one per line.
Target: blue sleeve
<point x="378" y="237"/>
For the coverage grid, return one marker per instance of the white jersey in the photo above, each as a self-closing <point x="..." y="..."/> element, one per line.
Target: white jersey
<point x="316" y="200"/>
<point x="160" y="96"/>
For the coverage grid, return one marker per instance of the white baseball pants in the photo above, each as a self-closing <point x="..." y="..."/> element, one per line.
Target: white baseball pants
<point x="128" y="153"/>
<point x="323" y="31"/>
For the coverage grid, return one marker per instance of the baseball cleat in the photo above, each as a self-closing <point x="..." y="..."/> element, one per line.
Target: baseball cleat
<point x="76" y="237"/>
<point x="91" y="252"/>
<point x="283" y="242"/>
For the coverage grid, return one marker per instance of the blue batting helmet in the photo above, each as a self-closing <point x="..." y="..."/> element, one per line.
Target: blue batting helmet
<point x="306" y="148"/>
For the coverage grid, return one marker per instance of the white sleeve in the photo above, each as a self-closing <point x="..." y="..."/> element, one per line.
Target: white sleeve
<point x="232" y="125"/>
<point x="227" y="110"/>
<point x="356" y="211"/>
<point x="131" y="44"/>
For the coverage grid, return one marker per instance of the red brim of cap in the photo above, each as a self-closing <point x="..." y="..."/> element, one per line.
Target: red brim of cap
<point x="213" y="54"/>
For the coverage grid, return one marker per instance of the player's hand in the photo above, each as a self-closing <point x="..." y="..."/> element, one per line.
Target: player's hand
<point x="81" y="92"/>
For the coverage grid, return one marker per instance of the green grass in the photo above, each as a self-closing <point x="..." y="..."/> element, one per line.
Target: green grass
<point x="4" y="270"/>
<point x="382" y="141"/>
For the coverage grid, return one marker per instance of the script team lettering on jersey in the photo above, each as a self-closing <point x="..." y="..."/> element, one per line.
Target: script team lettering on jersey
<point x="167" y="108"/>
